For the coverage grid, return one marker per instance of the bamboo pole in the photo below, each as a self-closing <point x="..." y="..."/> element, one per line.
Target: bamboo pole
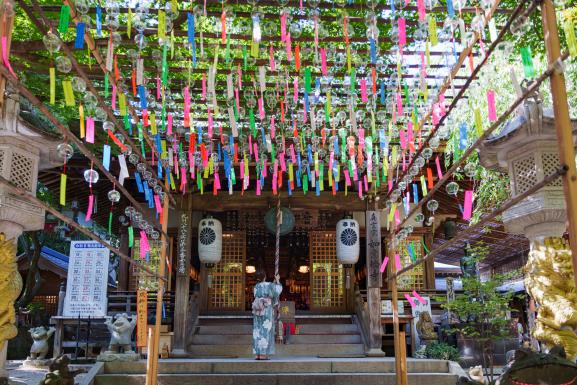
<point x="562" y="123"/>
<point x="30" y="197"/>
<point x="400" y="358"/>
<point x="152" y="359"/>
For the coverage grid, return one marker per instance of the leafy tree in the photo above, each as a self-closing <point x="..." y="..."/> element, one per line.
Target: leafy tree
<point x="481" y="307"/>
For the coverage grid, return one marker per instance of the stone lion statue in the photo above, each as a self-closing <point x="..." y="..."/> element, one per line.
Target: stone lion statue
<point x="425" y="327"/>
<point x="120" y="333"/>
<point x="40" y="336"/>
<point x="59" y="373"/>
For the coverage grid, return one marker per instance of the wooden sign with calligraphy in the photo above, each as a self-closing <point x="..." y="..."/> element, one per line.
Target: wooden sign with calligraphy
<point x="287" y="311"/>
<point x="183" y="244"/>
<point x="373" y="229"/>
<point x="141" y="318"/>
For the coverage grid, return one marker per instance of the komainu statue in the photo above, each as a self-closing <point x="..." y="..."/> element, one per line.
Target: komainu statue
<point x="426" y="328"/>
<point x="59" y="373"/>
<point x="120" y="346"/>
<point x="549" y="280"/>
<point x="40" y="336"/>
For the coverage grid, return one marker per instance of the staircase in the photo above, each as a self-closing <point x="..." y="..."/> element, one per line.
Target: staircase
<point x="278" y="371"/>
<point x="325" y="336"/>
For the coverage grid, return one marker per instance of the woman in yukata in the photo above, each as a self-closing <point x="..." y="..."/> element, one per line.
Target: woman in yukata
<point x="266" y="297"/>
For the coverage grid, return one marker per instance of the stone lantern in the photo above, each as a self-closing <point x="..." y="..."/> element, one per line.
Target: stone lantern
<point x="23" y="151"/>
<point x="527" y="149"/>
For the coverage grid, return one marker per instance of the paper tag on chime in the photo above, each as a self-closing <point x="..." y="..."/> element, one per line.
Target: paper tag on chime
<point x="52" y="72"/>
<point x="63" y="189"/>
<point x="140" y="72"/>
<point x="109" y="55"/>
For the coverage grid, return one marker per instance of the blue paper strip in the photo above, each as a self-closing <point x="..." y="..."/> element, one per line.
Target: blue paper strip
<point x="415" y="193"/>
<point x="142" y="96"/>
<point x="98" y="20"/>
<point x="463" y="138"/>
<point x="106" y="157"/>
<point x="79" y="42"/>
<point x="138" y="182"/>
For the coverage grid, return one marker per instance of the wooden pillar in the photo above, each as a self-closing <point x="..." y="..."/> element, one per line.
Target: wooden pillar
<point x="154" y="333"/>
<point x="181" y="289"/>
<point x="6" y="27"/>
<point x="430" y="263"/>
<point x="562" y="124"/>
<point x="374" y="280"/>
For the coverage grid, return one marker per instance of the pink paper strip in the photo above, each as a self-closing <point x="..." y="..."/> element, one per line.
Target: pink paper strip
<point x="491" y="105"/>
<point x="347" y="177"/>
<point x="398" y="262"/>
<point x="258" y="187"/>
<point x="399" y="103"/>
<point x="89" y="209"/>
<point x="468" y="205"/>
<point x="242" y="169"/>
<point x="439" y="171"/>
<point x="366" y="182"/>
<point x="203" y="86"/>
<point x="410" y="300"/>
<point x="384" y="264"/>
<point x="289" y="49"/>
<point x="264" y="168"/>
<point x="261" y="108"/>
<point x="403" y="139"/>
<point x="217" y="180"/>
<point x="5" y="58"/>
<point x="255" y="151"/>
<point x="324" y="61"/>
<point x="421" y="9"/>
<point x="275" y="177"/>
<point x="236" y="96"/>
<point x="296" y="89"/>
<point x="157" y="204"/>
<point x="402" y="32"/>
<point x="142" y="245"/>
<point x="113" y="97"/>
<point x="158" y="88"/>
<point x="169" y="125"/>
<point x="364" y="90"/>
<point x="89" y="130"/>
<point x="419" y="298"/>
<point x="210" y="123"/>
<point x="283" y="27"/>
<point x="272" y="130"/>
<point x="271" y="59"/>
<point x="282" y="162"/>
<point x="360" y="190"/>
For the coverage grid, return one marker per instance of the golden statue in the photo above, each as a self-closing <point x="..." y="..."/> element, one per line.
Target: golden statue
<point x="10" y="287"/>
<point x="549" y="280"/>
<point x="425" y="327"/>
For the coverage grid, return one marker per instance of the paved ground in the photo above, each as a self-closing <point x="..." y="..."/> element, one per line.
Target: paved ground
<point x="30" y="376"/>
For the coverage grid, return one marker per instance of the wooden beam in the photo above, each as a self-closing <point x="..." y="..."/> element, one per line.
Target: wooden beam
<point x="562" y="123"/>
<point x="250" y="201"/>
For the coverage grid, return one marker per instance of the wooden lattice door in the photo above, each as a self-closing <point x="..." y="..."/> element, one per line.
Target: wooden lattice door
<point x="227" y="288"/>
<point x="327" y="275"/>
<point x="410" y="249"/>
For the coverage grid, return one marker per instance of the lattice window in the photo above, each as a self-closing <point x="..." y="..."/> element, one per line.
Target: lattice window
<point x="411" y="249"/>
<point x="139" y="279"/>
<point x="550" y="165"/>
<point x="2" y="156"/>
<point x="227" y="288"/>
<point x="327" y="279"/>
<point x="21" y="171"/>
<point x="525" y="174"/>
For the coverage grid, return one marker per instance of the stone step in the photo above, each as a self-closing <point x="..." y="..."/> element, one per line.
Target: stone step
<point x="245" y="350"/>
<point x="246" y="339"/>
<point x="278" y="365"/>
<point x="280" y="379"/>
<point x="235" y="329"/>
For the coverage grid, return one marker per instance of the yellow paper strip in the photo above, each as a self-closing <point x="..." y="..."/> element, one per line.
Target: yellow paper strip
<point x="164" y="153"/>
<point x="433" y="30"/>
<point x="68" y="93"/>
<point x="63" y="189"/>
<point x="152" y="120"/>
<point x="392" y="212"/>
<point x="52" y="85"/>
<point x="424" y="185"/>
<point x="122" y="104"/>
<point x="161" y="24"/>
<point x="478" y="122"/>
<point x="82" y="121"/>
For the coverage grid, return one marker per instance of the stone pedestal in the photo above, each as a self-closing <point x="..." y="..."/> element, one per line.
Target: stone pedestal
<point x="123" y="357"/>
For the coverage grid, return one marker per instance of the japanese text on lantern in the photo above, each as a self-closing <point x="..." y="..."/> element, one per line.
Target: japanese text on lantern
<point x="87" y="280"/>
<point x="182" y="244"/>
<point x="141" y="318"/>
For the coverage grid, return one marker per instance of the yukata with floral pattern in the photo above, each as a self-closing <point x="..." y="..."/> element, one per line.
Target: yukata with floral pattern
<point x="266" y="296"/>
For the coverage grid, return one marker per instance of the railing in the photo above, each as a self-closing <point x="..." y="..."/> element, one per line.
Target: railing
<point x="125" y="302"/>
<point x="362" y="315"/>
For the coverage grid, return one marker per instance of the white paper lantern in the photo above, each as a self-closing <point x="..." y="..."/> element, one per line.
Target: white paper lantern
<point x="348" y="241"/>
<point x="210" y="241"/>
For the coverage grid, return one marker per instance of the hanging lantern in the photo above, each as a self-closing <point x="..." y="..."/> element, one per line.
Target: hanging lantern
<point x="210" y="241"/>
<point x="348" y="241"/>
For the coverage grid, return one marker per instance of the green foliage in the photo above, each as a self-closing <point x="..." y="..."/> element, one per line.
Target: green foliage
<point x="45" y="195"/>
<point x="442" y="351"/>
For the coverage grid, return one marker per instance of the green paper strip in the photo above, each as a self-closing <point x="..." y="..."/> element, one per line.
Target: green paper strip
<point x="106" y="86"/>
<point x="305" y="183"/>
<point x="130" y="236"/>
<point x="110" y="223"/>
<point x="425" y="246"/>
<point x="308" y="79"/>
<point x="244" y="59"/>
<point x="569" y="30"/>
<point x="64" y="19"/>
<point x="527" y="62"/>
<point x="353" y="81"/>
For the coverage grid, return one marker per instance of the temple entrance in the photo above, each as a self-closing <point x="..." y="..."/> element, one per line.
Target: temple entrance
<point x="309" y="271"/>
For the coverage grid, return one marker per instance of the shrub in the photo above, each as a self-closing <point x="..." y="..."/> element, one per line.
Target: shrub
<point x="442" y="351"/>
